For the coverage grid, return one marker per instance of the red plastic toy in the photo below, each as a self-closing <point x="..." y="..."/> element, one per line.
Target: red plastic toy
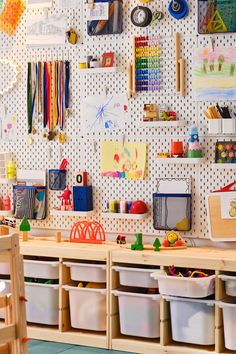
<point x="138" y="207"/>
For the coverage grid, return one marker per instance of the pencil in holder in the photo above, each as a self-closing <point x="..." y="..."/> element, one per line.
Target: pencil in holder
<point x="57" y="180"/>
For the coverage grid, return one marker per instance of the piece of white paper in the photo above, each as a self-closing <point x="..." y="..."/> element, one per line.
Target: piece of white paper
<point x="99" y="12"/>
<point x="174" y="185"/>
<point x="104" y="113"/>
<point x="41" y="31"/>
<point x="37" y="4"/>
<point x="228" y="206"/>
<point x="69" y="4"/>
<point x="9" y="127"/>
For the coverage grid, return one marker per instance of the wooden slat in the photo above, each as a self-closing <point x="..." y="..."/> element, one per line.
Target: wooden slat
<point x="3" y="301"/>
<point x="64" y="306"/>
<point x="7" y="334"/>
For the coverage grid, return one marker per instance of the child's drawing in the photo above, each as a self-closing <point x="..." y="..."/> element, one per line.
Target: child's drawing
<point x="46" y="31"/>
<point x="123" y="160"/>
<point x="214" y="76"/>
<point x="104" y="113"/>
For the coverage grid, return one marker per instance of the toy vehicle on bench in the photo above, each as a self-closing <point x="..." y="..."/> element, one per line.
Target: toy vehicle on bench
<point x="121" y="240"/>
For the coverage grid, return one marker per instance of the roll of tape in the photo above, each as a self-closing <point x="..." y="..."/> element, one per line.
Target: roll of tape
<point x="178" y="9"/>
<point x="141" y="16"/>
<point x="82" y="65"/>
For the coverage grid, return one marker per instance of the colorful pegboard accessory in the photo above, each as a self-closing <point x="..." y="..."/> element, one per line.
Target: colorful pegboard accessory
<point x="11" y="15"/>
<point x="87" y="232"/>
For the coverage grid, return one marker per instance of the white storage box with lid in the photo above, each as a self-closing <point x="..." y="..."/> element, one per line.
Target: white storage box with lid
<point x="4" y="268"/>
<point x="230" y="284"/>
<point x="87" y="272"/>
<point x="42" y="304"/>
<point x="139" y="314"/>
<point x="185" y="287"/>
<point x="229" y="315"/>
<point x="192" y="320"/>
<point x="87" y="308"/>
<point x="41" y="269"/>
<point x="140" y="277"/>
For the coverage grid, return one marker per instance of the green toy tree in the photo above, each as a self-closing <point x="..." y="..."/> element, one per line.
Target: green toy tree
<point x="24" y="228"/>
<point x="157" y="245"/>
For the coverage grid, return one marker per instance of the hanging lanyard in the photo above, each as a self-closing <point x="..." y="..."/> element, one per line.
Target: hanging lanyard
<point x="67" y="82"/>
<point x="62" y="87"/>
<point x="55" y="98"/>
<point x="29" y="99"/>
<point x="45" y="118"/>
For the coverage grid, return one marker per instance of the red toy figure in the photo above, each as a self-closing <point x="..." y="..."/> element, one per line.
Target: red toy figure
<point x="66" y="199"/>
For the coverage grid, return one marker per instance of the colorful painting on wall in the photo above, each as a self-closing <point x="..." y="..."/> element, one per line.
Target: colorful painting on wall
<point x="104" y="113"/>
<point x="214" y="76"/>
<point x="126" y="160"/>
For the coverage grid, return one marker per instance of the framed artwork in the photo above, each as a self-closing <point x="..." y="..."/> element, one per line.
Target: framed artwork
<point x="107" y="60"/>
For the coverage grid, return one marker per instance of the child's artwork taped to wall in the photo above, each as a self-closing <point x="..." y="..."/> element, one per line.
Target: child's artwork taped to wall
<point x="104" y="113"/>
<point x="228" y="207"/>
<point x="126" y="160"/>
<point x="214" y="76"/>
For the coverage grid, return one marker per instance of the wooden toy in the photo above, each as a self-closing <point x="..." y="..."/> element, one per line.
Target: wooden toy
<point x="108" y="60"/>
<point x="151" y="113"/>
<point x="83" y="198"/>
<point x="157" y="245"/>
<point x="163" y="155"/>
<point x="194" y="148"/>
<point x="82" y="178"/>
<point x="58" y="236"/>
<point x="65" y="197"/>
<point x="138" y="245"/>
<point x="24" y="228"/>
<point x="87" y="232"/>
<point x="121" y="240"/>
<point x="173" y="240"/>
<point x="4" y="231"/>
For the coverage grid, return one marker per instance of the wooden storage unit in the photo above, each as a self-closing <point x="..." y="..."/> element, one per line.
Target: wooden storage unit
<point x="218" y="260"/>
<point x="66" y="251"/>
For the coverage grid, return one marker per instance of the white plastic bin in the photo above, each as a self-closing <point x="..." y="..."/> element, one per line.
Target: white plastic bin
<point x="87" y="272"/>
<point x="4" y="268"/>
<point x="139" y="277"/>
<point x="41" y="269"/>
<point x="229" y="315"/>
<point x="228" y="126"/>
<point x="139" y="314"/>
<point x="230" y="284"/>
<point x="5" y="288"/>
<point x="87" y="308"/>
<point x="215" y="126"/>
<point x="42" y="304"/>
<point x="192" y="320"/>
<point x="185" y="287"/>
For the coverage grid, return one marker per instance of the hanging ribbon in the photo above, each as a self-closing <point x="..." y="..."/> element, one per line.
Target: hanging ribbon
<point x="29" y="98"/>
<point x="67" y="82"/>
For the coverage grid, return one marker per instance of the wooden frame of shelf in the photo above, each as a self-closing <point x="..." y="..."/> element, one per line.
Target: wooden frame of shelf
<point x="112" y="254"/>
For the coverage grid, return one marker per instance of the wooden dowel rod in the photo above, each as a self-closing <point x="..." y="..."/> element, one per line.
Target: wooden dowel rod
<point x="182" y="81"/>
<point x="134" y="69"/>
<point x="130" y="80"/>
<point x="177" y="58"/>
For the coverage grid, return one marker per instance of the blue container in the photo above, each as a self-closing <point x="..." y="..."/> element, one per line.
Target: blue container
<point x="83" y="198"/>
<point x="57" y="180"/>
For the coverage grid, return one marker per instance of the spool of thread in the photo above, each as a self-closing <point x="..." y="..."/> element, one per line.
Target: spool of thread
<point x="112" y="206"/>
<point x="82" y="65"/>
<point x="123" y="209"/>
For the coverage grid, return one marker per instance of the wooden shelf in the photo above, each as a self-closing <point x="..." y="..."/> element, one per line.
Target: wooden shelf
<point x="224" y="166"/>
<point x="7" y="180"/>
<point x="55" y="212"/>
<point x="181" y="160"/>
<point x="163" y="124"/>
<point x="95" y="71"/>
<point x="6" y="212"/>
<point x="125" y="216"/>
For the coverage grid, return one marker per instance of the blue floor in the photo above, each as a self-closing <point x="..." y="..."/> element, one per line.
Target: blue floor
<point x="41" y="347"/>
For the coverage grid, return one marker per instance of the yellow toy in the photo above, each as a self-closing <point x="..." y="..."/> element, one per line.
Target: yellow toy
<point x="173" y="240"/>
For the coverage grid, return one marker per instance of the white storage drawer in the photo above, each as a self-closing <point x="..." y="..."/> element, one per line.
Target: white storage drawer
<point x="41" y="269"/>
<point x="139" y="314"/>
<point x="230" y="284"/>
<point x="229" y="315"/>
<point x="4" y="268"/>
<point x="185" y="287"/>
<point x="139" y="277"/>
<point x="87" y="272"/>
<point x="192" y="320"/>
<point x="87" y="308"/>
<point x="42" y="304"/>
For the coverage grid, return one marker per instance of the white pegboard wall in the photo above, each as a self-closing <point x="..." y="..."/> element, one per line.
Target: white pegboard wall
<point x="80" y="148"/>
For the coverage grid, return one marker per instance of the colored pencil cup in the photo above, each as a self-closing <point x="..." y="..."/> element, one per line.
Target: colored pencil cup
<point x="57" y="180"/>
<point x="177" y="149"/>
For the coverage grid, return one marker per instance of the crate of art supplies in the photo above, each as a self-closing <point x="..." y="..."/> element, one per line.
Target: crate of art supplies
<point x="192" y="320"/>
<point x="87" y="307"/>
<point x="136" y="276"/>
<point x="139" y="313"/>
<point x="41" y="269"/>
<point x="4" y="268"/>
<point x="221" y="213"/>
<point x="230" y="283"/>
<point x="42" y="304"/>
<point x="197" y="285"/>
<point x="87" y="271"/>
<point x="229" y="315"/>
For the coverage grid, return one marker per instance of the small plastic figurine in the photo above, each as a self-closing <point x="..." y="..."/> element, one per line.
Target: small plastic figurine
<point x="138" y="245"/>
<point x="66" y="199"/>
